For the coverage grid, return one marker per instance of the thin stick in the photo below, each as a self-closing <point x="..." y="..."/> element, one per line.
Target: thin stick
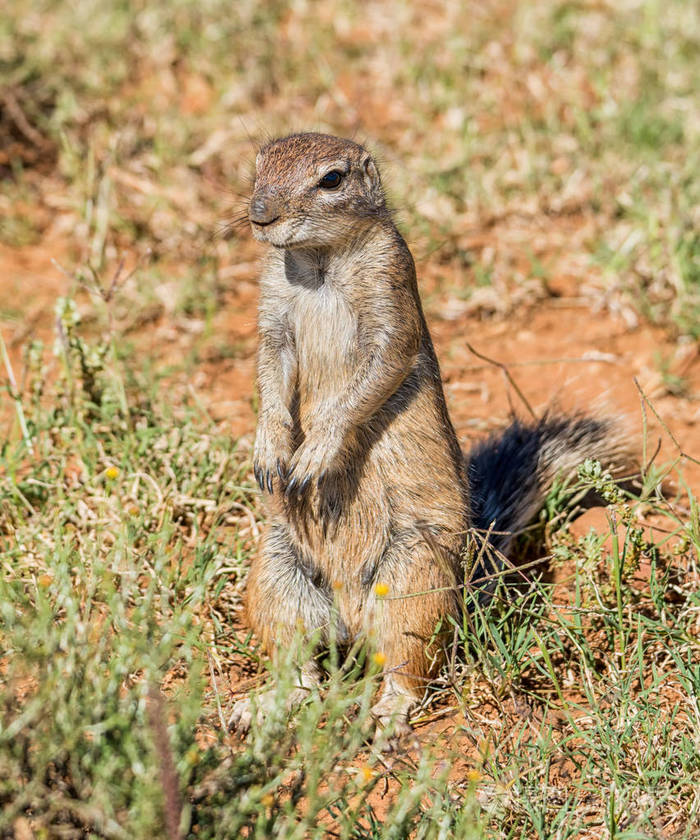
<point x="222" y="720"/>
<point x="506" y="373"/>
<point x="15" y="396"/>
<point x="680" y="449"/>
<point x="645" y="432"/>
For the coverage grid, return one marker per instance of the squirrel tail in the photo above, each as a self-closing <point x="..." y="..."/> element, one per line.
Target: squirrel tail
<point x="511" y="472"/>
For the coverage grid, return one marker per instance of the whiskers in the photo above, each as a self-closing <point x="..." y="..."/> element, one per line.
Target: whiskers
<point x="236" y="220"/>
<point x="349" y="225"/>
<point x="235" y="225"/>
<point x="228" y="228"/>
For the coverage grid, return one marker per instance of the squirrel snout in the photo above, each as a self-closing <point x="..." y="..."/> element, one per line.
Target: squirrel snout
<point x="264" y="209"/>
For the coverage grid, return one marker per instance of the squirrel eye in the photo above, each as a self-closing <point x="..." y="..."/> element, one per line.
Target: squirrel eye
<point x="331" y="180"/>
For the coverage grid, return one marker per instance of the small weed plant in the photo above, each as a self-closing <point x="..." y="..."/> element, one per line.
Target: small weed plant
<point x="126" y="526"/>
<point x="524" y="143"/>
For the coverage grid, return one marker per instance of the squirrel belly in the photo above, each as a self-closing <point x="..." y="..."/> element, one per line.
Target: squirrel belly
<point x="355" y="450"/>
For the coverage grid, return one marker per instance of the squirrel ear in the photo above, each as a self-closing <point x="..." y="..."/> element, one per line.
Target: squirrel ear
<point x="369" y="167"/>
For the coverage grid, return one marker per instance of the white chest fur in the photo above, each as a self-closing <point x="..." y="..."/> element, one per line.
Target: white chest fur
<point x="312" y="303"/>
<point x="325" y="330"/>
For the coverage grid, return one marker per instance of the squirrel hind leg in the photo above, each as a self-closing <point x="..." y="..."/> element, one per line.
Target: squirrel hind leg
<point x="409" y="627"/>
<point x="286" y="594"/>
<point x="285" y="601"/>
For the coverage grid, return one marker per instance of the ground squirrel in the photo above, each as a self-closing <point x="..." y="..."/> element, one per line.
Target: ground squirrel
<point x="354" y="448"/>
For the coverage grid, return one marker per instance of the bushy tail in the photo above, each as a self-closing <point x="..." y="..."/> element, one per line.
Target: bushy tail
<point x="510" y="473"/>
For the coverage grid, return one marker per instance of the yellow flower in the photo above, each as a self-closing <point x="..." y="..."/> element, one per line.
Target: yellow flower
<point x="473" y="775"/>
<point x="44" y="581"/>
<point x="337" y="585"/>
<point x="367" y="772"/>
<point x="379" y="658"/>
<point x="381" y="589"/>
<point x="112" y="472"/>
<point x="268" y="800"/>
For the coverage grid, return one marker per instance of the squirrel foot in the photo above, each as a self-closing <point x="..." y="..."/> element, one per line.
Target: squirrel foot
<point x="244" y="710"/>
<point x="391" y="714"/>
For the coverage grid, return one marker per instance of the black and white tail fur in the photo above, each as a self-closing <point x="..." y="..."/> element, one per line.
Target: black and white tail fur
<point x="511" y="472"/>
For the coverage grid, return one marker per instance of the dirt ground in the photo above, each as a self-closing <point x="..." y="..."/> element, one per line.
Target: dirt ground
<point x="564" y="348"/>
<point x="541" y="160"/>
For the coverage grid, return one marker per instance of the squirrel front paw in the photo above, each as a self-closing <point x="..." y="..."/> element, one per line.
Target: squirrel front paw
<point x="312" y="462"/>
<point x="272" y="452"/>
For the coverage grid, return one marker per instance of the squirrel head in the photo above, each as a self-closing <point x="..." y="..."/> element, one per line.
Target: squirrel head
<point x="314" y="191"/>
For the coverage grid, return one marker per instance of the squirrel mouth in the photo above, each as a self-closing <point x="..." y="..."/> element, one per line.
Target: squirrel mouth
<point x="264" y="224"/>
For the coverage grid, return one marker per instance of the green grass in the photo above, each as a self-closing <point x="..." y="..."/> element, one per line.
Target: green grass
<point x="125" y="537"/>
<point x="493" y="115"/>
<point x="126" y="529"/>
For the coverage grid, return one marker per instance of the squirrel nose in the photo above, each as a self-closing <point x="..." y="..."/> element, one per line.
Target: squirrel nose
<point x="264" y="209"/>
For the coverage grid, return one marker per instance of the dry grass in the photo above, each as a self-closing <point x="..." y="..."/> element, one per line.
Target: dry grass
<point x="532" y="150"/>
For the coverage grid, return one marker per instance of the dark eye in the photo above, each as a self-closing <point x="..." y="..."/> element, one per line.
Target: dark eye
<point x="331" y="180"/>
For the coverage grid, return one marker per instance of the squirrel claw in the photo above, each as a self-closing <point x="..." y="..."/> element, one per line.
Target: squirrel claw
<point x="257" y="471"/>
<point x="265" y="478"/>
<point x="241" y="717"/>
<point x="290" y="487"/>
<point x="302" y="487"/>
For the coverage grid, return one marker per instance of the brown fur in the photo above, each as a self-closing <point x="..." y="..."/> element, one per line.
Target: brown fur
<point x="354" y="446"/>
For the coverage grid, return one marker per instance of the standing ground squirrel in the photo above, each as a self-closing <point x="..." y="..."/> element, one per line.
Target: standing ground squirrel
<point x="366" y="481"/>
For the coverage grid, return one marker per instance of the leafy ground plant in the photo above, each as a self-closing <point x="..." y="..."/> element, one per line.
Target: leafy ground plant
<point x="537" y="154"/>
<point x="125" y="536"/>
<point x="594" y="669"/>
